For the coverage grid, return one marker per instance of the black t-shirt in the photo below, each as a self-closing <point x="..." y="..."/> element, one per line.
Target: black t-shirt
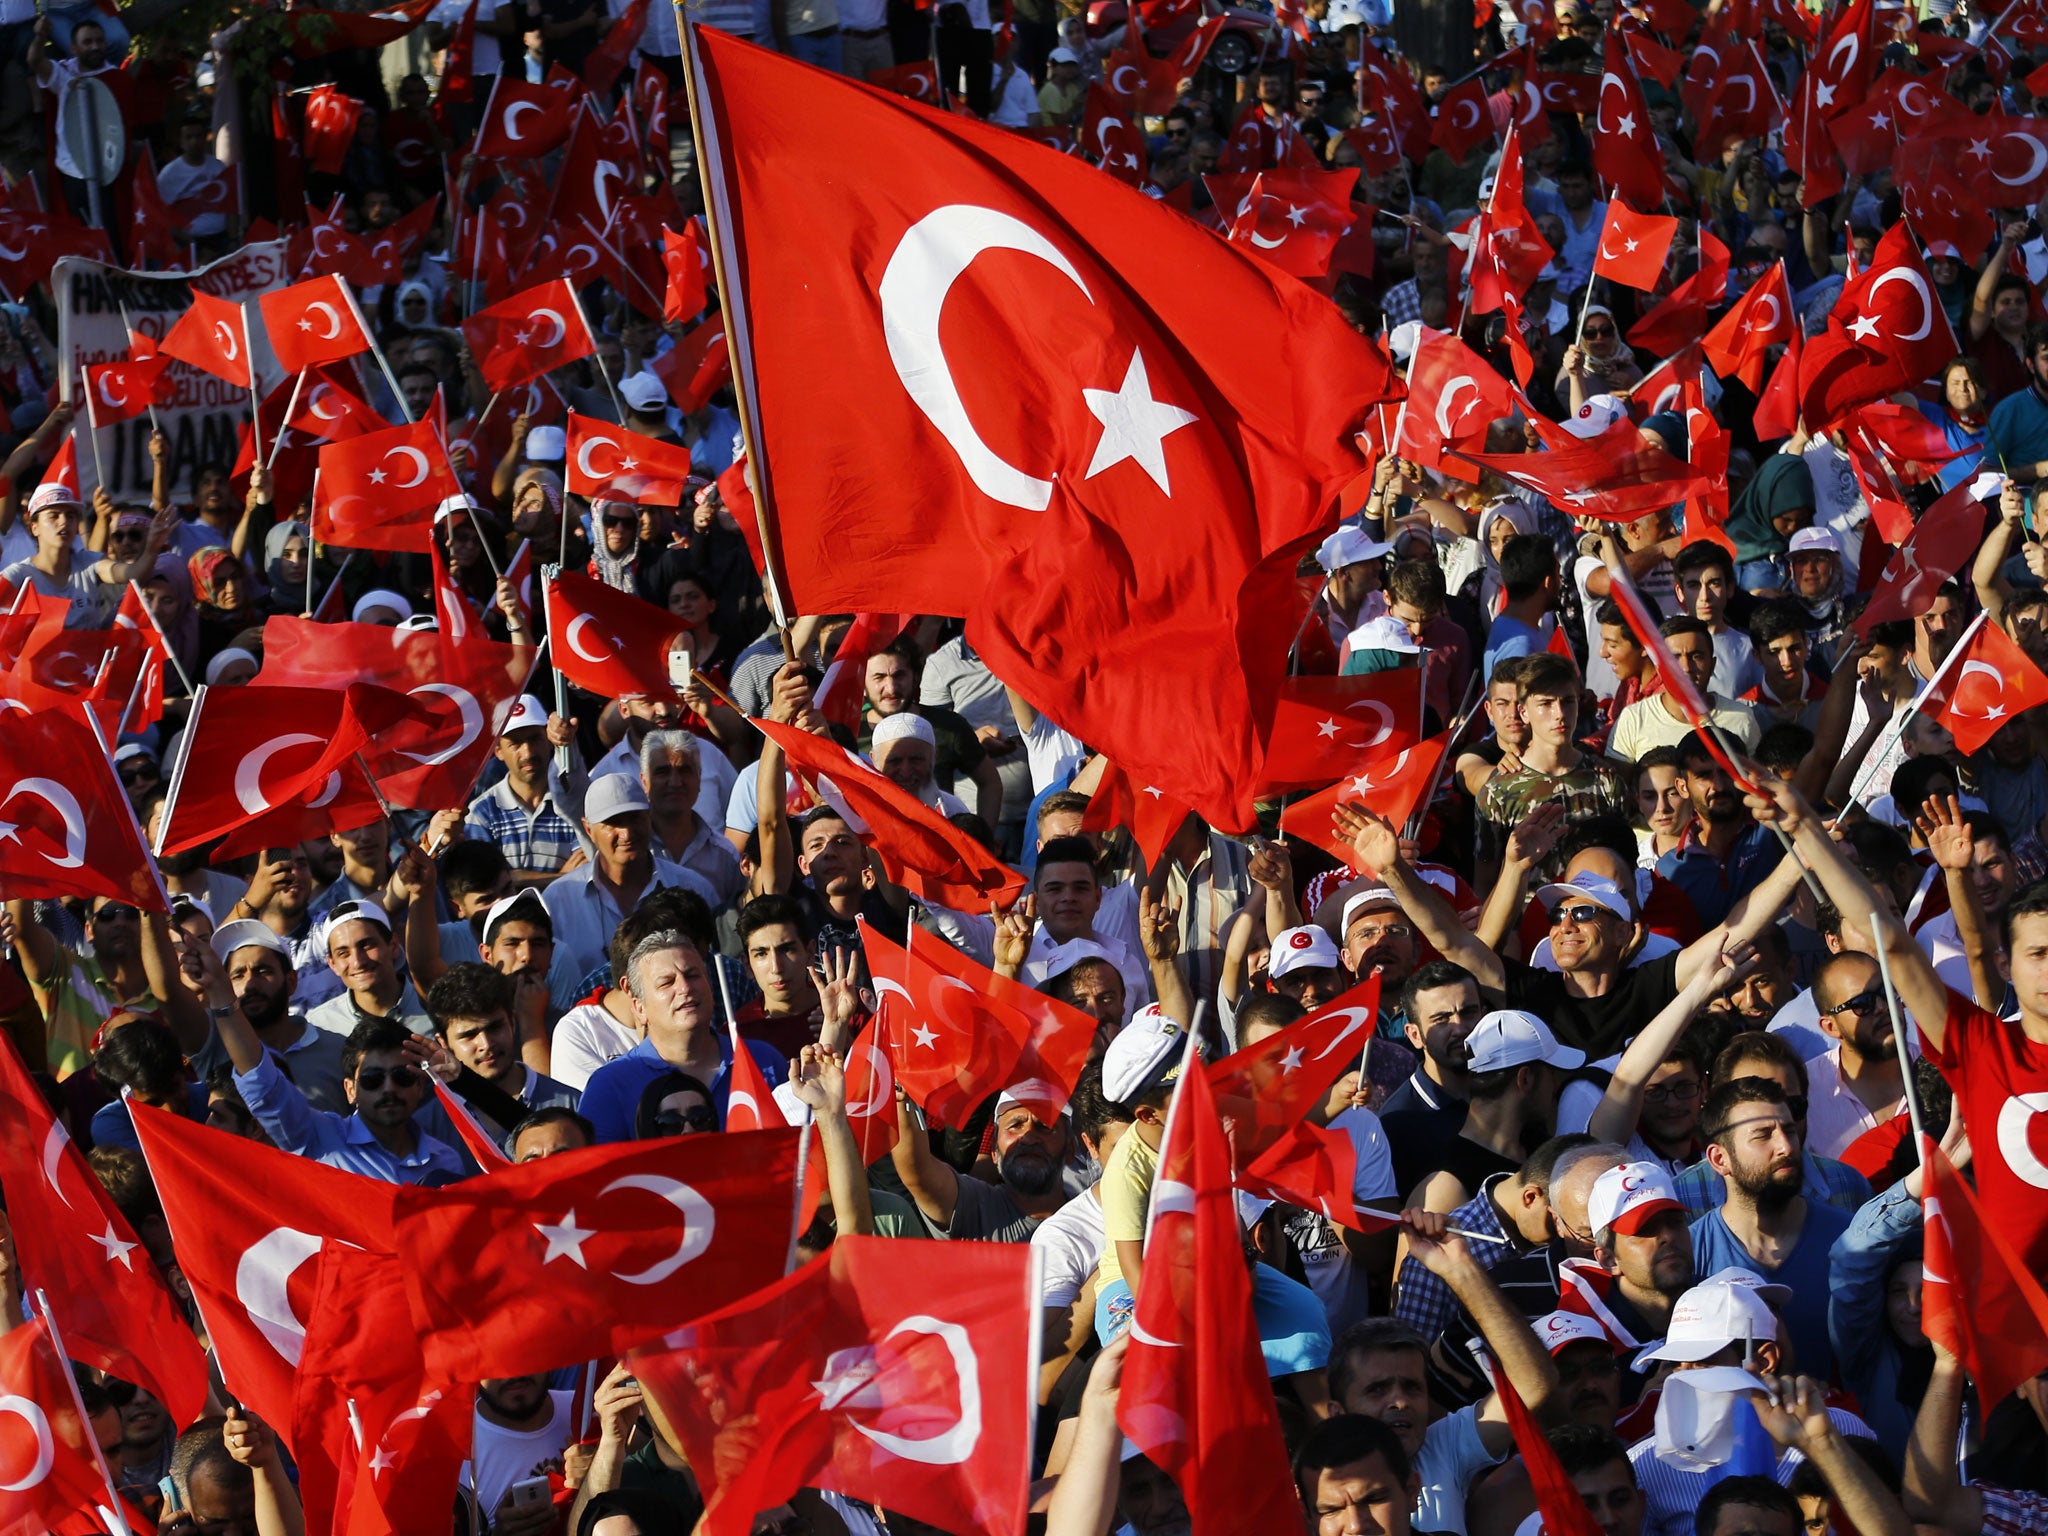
<point x="1596" y="1025"/>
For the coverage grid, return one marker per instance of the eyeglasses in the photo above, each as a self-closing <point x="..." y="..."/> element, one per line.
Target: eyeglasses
<point x="1380" y="935"/>
<point x="673" y="1122"/>
<point x="377" y="1077"/>
<point x="135" y="773"/>
<point x="127" y="533"/>
<point x="619" y="522"/>
<point x="1578" y="912"/>
<point x="1599" y="332"/>
<point x="114" y="912"/>
<point x="1673" y="1093"/>
<point x="1862" y="1003"/>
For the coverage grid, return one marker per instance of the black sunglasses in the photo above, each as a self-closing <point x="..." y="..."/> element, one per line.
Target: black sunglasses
<point x="114" y="911"/>
<point x="672" y="1122"/>
<point x="135" y="773"/>
<point x="376" y="1077"/>
<point x="1868" y="1001"/>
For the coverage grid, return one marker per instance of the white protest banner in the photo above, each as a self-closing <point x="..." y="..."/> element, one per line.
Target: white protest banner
<point x="205" y="419"/>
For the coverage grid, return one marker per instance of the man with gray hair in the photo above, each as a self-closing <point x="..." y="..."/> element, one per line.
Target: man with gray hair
<point x="670" y="989"/>
<point x="672" y="773"/>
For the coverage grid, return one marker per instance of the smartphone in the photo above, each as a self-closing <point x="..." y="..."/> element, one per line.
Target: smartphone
<point x="529" y="1491"/>
<point x="169" y="1489"/>
<point x="681" y="666"/>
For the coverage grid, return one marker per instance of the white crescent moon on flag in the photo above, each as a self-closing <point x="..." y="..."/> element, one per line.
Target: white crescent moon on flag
<point x="318" y="393"/>
<point x="574" y="637"/>
<point x="1985" y="667"/>
<point x="511" y="118"/>
<point x="418" y="461"/>
<point x="561" y="327"/>
<point x="333" y="319"/>
<point x="1918" y="284"/>
<point x="106" y="394"/>
<point x="262" y="1280"/>
<point x="27" y="1410"/>
<point x="1386" y="720"/>
<point x="1443" y="402"/>
<point x="930" y="257"/>
<point x="699" y="1223"/>
<point x="1777" y="311"/>
<point x="472" y="717"/>
<point x="957" y="1443"/>
<point x="227" y="339"/>
<point x="55" y="1140"/>
<point x="2039" y="163"/>
<point x="583" y="464"/>
<point x="65" y="804"/>
<point x="249" y="772"/>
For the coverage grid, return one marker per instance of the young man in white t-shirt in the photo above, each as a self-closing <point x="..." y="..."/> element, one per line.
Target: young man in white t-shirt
<point x="521" y="1430"/>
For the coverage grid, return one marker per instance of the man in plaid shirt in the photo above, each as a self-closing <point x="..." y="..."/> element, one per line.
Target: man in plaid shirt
<point x="521" y="815"/>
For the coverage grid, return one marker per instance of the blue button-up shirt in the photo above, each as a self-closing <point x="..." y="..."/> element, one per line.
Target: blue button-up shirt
<point x="586" y="914"/>
<point x="611" y="1099"/>
<point x="339" y="1141"/>
<point x="1714" y="886"/>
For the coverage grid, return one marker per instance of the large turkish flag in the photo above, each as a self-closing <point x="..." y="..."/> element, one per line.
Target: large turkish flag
<point x="1022" y="392"/>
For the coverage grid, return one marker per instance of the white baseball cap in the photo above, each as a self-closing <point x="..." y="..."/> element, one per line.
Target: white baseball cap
<point x="1145" y="1053"/>
<point x="524" y="904"/>
<point x="1385" y="633"/>
<point x="643" y="391"/>
<point x="1508" y="1037"/>
<point x="1062" y="958"/>
<point x="546" y="445"/>
<point x="1363" y="901"/>
<point x="613" y="794"/>
<point x="525" y="714"/>
<point x="1306" y="948"/>
<point x="1808" y="540"/>
<point x="1349" y="546"/>
<point x="1595" y="416"/>
<point x="1559" y="1329"/>
<point x="1774" y="1294"/>
<point x="1626" y="1198"/>
<point x="1594" y="888"/>
<point x="247" y="933"/>
<point x="1402" y="339"/>
<point x="1710" y="1317"/>
<point x="349" y="912"/>
<point x="1063" y="56"/>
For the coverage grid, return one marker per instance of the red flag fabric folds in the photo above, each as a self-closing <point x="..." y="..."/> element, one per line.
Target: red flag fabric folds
<point x="534" y="331"/>
<point x="607" y="641"/>
<point x="312" y="323"/>
<point x="842" y="1377"/>
<point x="211" y="338"/>
<point x="593" y="1251"/>
<point x="66" y="828"/>
<point x="1994" y="682"/>
<point x="1978" y="1299"/>
<point x="48" y="1453"/>
<point x="1114" y="504"/>
<point x="1322" y="724"/>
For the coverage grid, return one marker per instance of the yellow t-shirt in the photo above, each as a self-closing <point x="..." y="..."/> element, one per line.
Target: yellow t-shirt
<point x="1126" y="1194"/>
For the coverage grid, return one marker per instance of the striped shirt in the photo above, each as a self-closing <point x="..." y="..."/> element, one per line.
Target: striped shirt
<point x="2012" y="1512"/>
<point x="539" y="840"/>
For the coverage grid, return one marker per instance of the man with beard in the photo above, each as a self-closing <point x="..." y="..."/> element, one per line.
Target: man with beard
<point x="1723" y="853"/>
<point x="259" y="968"/>
<point x="1643" y="1240"/>
<point x="1442" y="1004"/>
<point x="1858" y="1082"/>
<point x="1029" y="1154"/>
<point x="521" y="1429"/>
<point x="1767" y="1226"/>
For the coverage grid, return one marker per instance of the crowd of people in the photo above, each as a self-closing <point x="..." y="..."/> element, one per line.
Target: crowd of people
<point x="1704" y="909"/>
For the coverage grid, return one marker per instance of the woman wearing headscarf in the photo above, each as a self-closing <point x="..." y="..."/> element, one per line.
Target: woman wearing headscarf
<point x="615" y="556"/>
<point x="222" y="585"/>
<point x="1597" y="363"/>
<point x="284" y="567"/>
<point x="1777" y="502"/>
<point x="1500" y="519"/>
<point x="167" y="592"/>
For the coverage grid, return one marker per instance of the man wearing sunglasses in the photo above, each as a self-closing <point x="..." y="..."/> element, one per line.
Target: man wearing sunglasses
<point x="1858" y="1082"/>
<point x="385" y="1089"/>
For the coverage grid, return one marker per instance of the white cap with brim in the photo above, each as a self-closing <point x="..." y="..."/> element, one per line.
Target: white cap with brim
<point x="1560" y="1330"/>
<point x="1593" y="888"/>
<point x="1595" y="416"/>
<point x="1349" y="546"/>
<point x="1508" y="1037"/>
<point x="247" y="933"/>
<point x="524" y="904"/>
<point x="1815" y="541"/>
<point x="352" y="912"/>
<point x="1145" y="1053"/>
<point x="1710" y="1317"/>
<point x="547" y="445"/>
<point x="1306" y="948"/>
<point x="52" y="493"/>
<point x="1362" y="901"/>
<point x="1385" y="633"/>
<point x="524" y="715"/>
<point x="613" y="794"/>
<point x="1776" y="1295"/>
<point x="1062" y="958"/>
<point x="643" y="391"/>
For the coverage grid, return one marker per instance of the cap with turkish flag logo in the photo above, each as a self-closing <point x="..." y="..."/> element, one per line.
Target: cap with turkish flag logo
<point x="1628" y="1198"/>
<point x="1560" y="1330"/>
<point x="1307" y="948"/>
<point x="1710" y="1317"/>
<point x="1145" y="1053"/>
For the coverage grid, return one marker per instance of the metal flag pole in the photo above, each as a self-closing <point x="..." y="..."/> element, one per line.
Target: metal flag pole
<point x="738" y="326"/>
<point x="176" y="665"/>
<point x="130" y="329"/>
<point x="1891" y="1002"/>
<point x="595" y="357"/>
<point x="290" y="410"/>
<point x="114" y="1509"/>
<point x="255" y="405"/>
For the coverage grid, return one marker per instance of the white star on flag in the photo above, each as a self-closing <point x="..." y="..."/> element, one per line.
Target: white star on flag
<point x="1134" y="425"/>
<point x="565" y="1239"/>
